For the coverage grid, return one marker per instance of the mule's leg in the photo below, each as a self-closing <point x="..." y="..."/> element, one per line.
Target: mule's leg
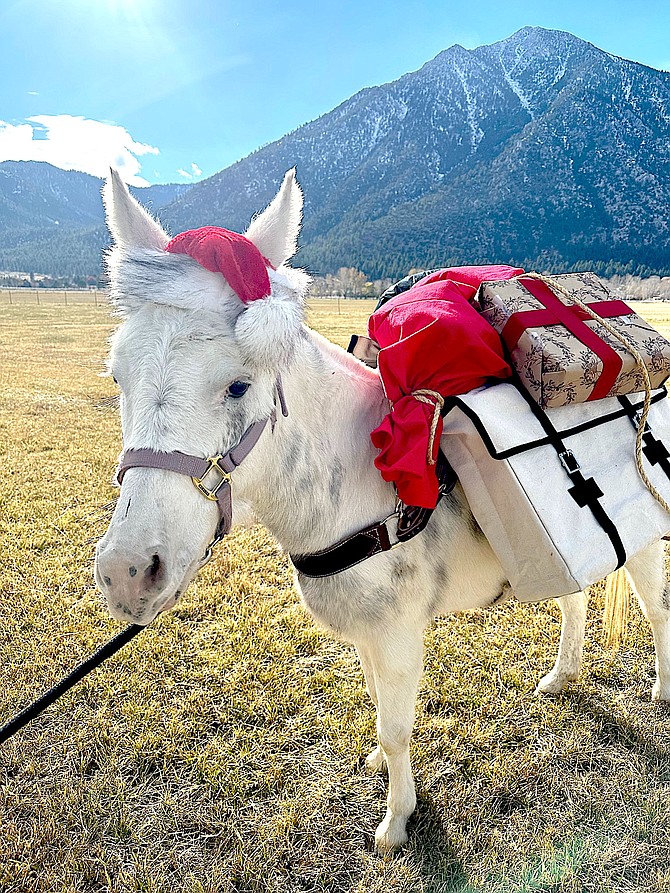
<point x="368" y="672"/>
<point x="397" y="661"/>
<point x="647" y="575"/>
<point x="569" y="659"/>
<point x="375" y="759"/>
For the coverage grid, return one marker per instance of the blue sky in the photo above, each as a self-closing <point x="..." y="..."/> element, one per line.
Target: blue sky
<point x="175" y="90"/>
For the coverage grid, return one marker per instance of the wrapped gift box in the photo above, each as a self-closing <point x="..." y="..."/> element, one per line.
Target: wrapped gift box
<point x="560" y="353"/>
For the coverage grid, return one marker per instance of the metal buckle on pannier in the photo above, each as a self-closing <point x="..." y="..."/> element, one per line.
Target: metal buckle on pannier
<point x="637" y="418"/>
<point x="569" y="462"/>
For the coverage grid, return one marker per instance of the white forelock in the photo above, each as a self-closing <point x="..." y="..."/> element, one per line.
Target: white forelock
<point x="139" y="275"/>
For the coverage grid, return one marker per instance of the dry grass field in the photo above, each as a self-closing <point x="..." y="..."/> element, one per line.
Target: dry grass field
<point x="221" y="750"/>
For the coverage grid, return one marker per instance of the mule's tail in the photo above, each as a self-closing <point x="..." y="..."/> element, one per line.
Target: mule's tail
<point x="617" y="603"/>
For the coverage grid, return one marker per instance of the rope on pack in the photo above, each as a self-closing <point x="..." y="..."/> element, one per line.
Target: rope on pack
<point x="436" y="400"/>
<point x="630" y="347"/>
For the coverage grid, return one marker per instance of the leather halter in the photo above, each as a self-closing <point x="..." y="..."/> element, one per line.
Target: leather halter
<point x="210" y="476"/>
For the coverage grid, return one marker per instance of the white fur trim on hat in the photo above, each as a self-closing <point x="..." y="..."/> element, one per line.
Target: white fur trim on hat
<point x="268" y="329"/>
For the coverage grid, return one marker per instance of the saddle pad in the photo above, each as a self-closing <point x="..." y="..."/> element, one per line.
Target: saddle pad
<point x="557" y="493"/>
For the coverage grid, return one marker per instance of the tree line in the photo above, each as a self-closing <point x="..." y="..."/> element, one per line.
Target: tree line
<point x="350" y="282"/>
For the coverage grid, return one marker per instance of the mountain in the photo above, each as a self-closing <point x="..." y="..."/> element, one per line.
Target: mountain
<point x="540" y="149"/>
<point x="52" y="221"/>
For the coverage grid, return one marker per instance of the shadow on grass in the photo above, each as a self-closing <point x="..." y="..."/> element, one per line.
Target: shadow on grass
<point x="626" y="731"/>
<point x="435" y="858"/>
<point x="570" y="845"/>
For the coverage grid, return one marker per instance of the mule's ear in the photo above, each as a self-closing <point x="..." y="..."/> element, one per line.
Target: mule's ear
<point x="129" y="223"/>
<point x="275" y="231"/>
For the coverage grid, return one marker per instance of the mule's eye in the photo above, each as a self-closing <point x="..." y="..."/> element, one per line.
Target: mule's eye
<point x="238" y="388"/>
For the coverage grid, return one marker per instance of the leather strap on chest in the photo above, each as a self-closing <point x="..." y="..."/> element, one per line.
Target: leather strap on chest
<point x="376" y="538"/>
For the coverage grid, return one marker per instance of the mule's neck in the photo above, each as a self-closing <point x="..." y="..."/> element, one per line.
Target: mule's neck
<point x="314" y="481"/>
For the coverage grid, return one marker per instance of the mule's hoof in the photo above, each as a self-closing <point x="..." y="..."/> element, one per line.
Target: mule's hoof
<point x="553" y="683"/>
<point x="660" y="694"/>
<point x="391" y="834"/>
<point x="375" y="760"/>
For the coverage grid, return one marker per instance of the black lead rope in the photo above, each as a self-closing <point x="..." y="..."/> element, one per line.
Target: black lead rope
<point x="49" y="697"/>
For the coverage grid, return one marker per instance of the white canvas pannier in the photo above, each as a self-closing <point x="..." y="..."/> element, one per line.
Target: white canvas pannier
<point x="557" y="492"/>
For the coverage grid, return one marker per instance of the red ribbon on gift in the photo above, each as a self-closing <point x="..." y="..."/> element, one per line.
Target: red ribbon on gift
<point x="573" y="318"/>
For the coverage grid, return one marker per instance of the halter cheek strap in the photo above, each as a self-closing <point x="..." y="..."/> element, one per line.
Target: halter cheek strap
<point x="210" y="476"/>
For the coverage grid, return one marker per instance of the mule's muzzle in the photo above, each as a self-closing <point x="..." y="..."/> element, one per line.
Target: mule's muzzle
<point x="137" y="585"/>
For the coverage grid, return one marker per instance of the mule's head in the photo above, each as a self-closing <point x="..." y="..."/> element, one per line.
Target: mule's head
<point x="196" y="367"/>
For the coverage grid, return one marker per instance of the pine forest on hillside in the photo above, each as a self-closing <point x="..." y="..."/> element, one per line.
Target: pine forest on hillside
<point x="540" y="150"/>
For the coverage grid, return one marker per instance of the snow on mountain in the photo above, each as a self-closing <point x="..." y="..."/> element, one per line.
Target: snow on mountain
<point x="52" y="220"/>
<point x="540" y="149"/>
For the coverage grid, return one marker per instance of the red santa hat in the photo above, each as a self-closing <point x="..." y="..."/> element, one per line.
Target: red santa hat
<point x="238" y="260"/>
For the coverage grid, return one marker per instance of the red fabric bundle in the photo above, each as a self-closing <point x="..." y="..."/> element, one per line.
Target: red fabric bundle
<point x="431" y="337"/>
<point x="231" y="254"/>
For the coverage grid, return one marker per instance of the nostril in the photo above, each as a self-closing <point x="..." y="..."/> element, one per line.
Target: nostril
<point x="154" y="572"/>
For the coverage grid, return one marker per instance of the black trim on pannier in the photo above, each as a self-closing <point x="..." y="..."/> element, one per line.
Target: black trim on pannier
<point x="585" y="491"/>
<point x="467" y="410"/>
<point x="655" y="451"/>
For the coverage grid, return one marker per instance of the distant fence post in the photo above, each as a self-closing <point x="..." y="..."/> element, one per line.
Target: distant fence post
<point x="71" y="296"/>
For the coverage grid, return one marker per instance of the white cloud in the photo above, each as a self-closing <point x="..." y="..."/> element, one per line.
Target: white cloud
<point x="189" y="175"/>
<point x="75" y="143"/>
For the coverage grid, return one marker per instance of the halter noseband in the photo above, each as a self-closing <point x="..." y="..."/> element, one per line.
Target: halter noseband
<point x="199" y="470"/>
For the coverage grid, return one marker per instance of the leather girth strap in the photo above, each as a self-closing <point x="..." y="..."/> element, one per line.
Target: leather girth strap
<point x="376" y="538"/>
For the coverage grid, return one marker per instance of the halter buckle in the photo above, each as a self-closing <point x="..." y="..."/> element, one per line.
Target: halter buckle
<point x="211" y="493"/>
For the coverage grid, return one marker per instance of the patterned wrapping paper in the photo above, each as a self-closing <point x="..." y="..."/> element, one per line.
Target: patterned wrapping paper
<point x="554" y="365"/>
